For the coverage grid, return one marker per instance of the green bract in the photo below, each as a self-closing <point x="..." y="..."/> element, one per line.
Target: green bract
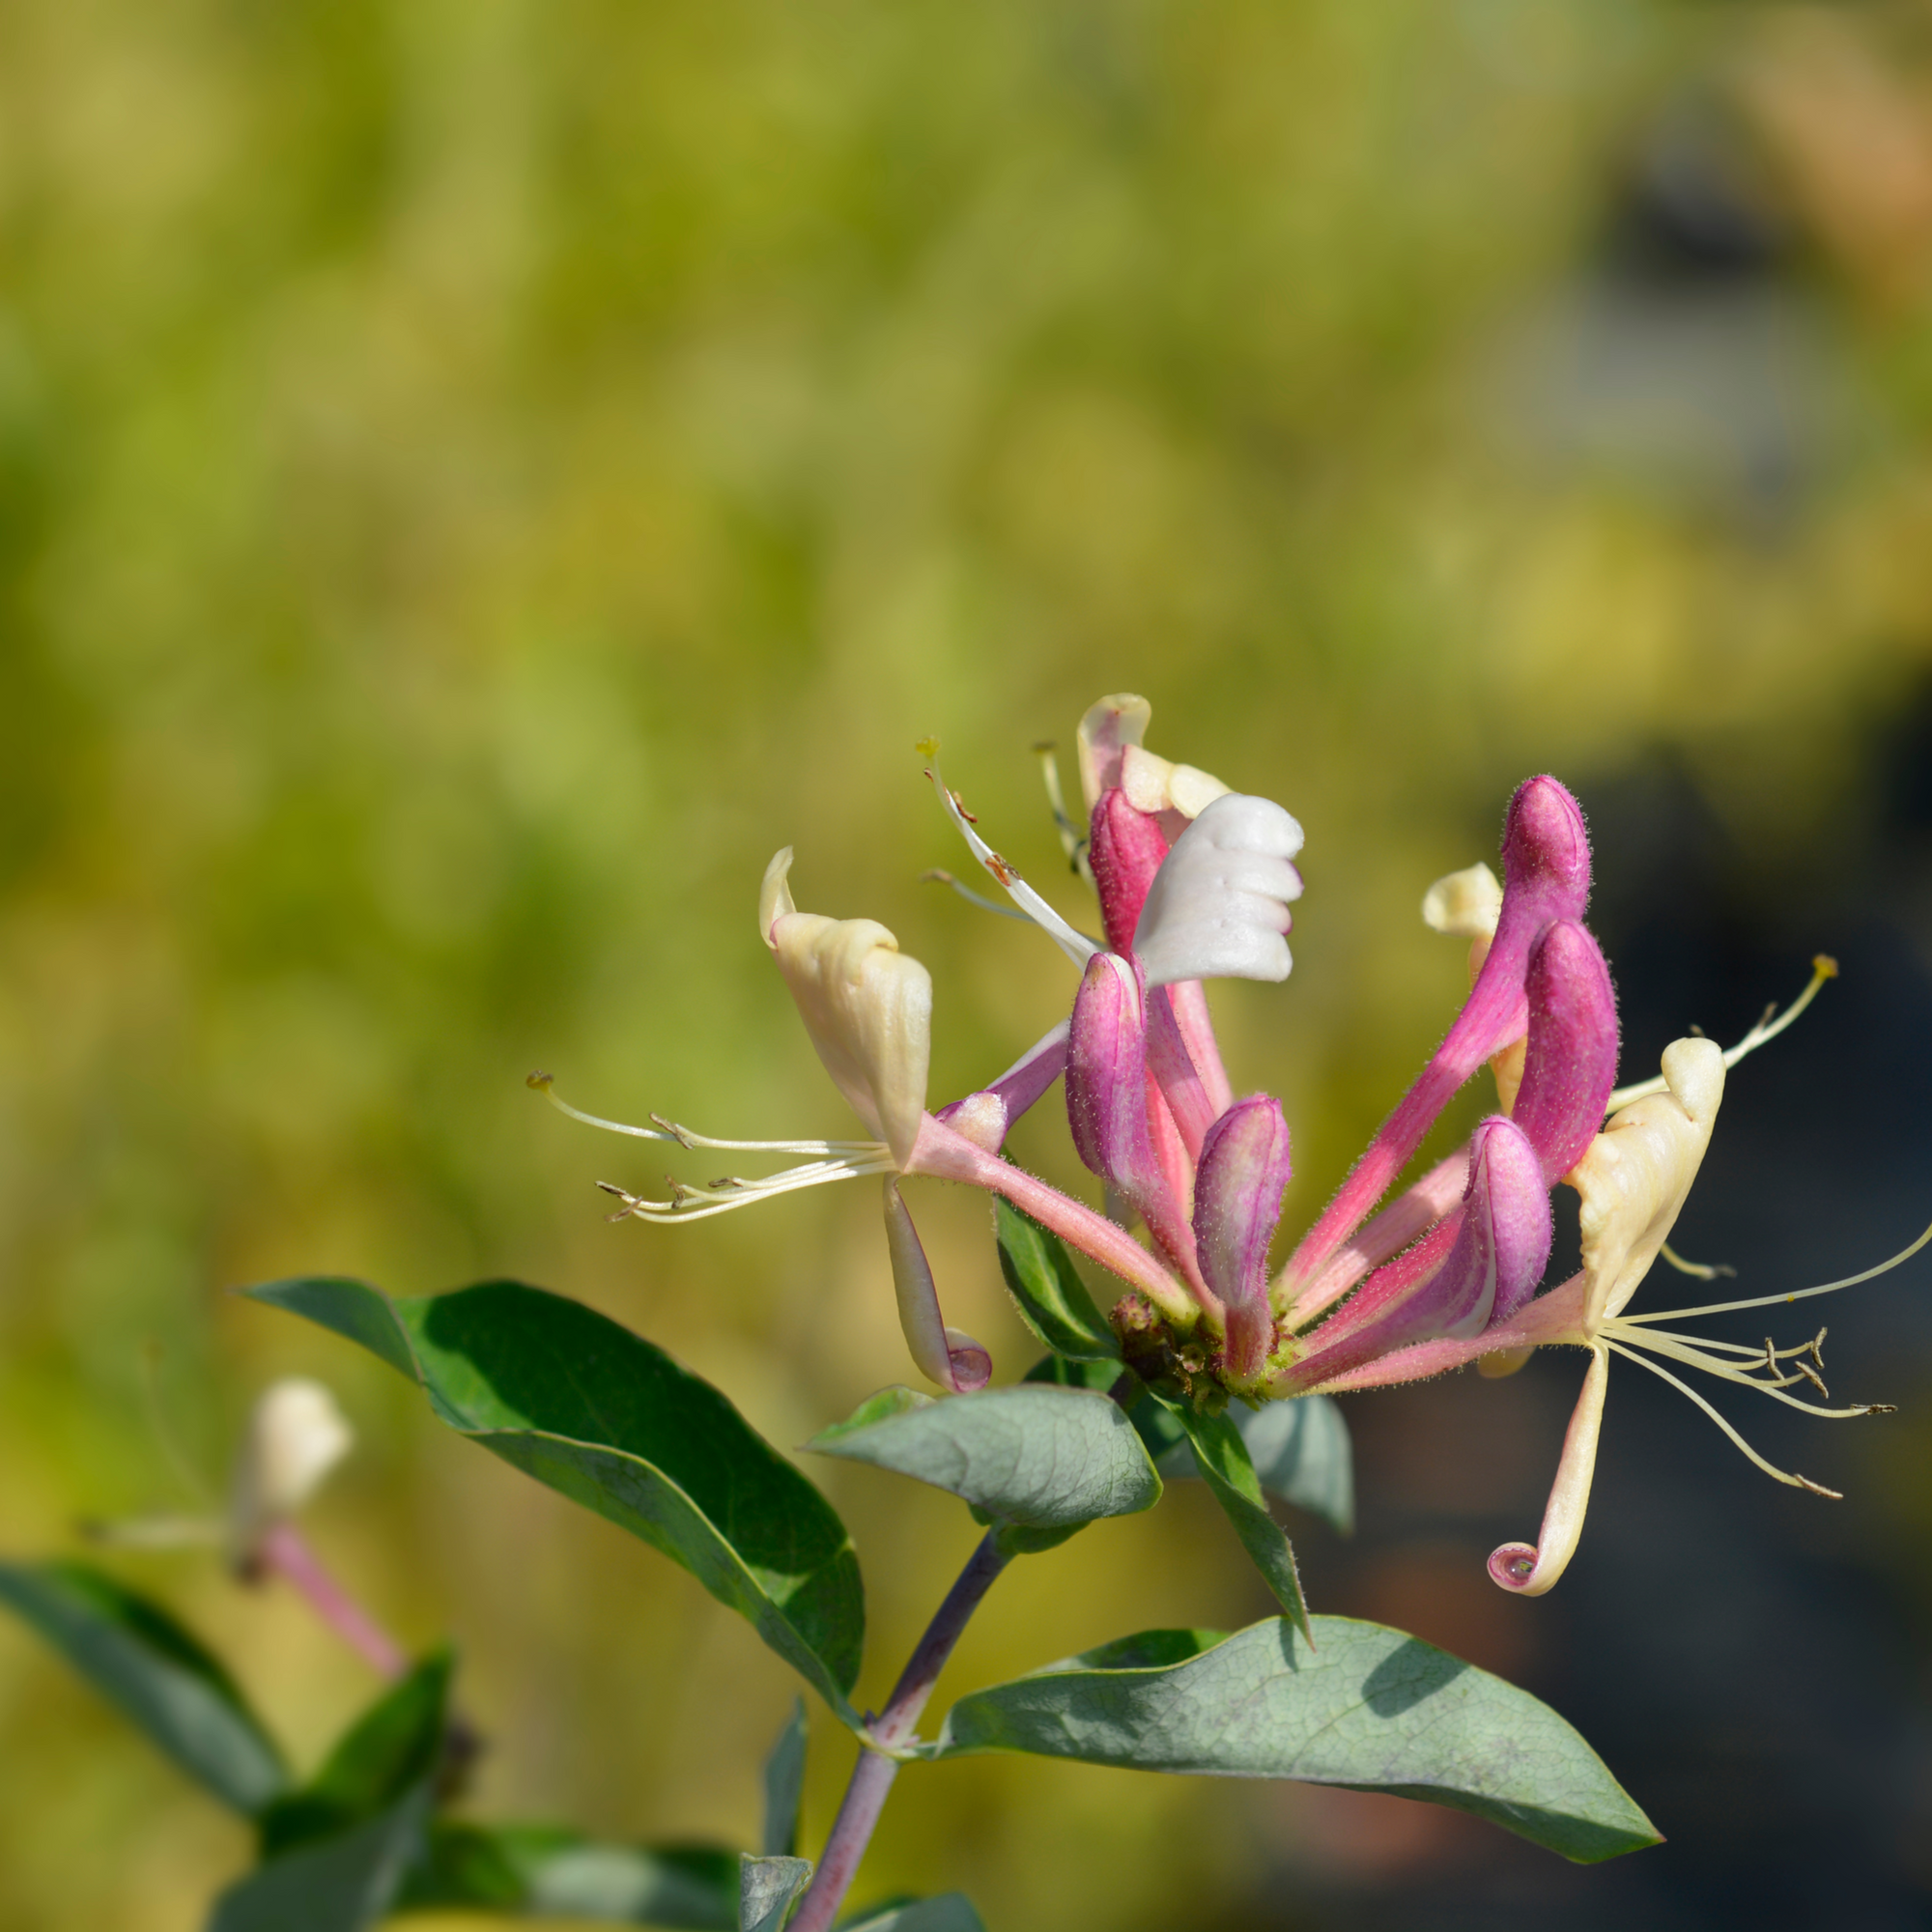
<point x="1052" y="1298"/>
<point x="1370" y="1708"/>
<point x="1222" y="1459"/>
<point x="602" y="1416"/>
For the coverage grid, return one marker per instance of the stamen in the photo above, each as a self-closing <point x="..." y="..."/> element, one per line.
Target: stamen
<point x="1769" y="1469"/>
<point x="1796" y="1294"/>
<point x="663" y="1129"/>
<point x="937" y="875"/>
<point x="1077" y="947"/>
<point x="1691" y="1356"/>
<point x="542" y="1083"/>
<point x="1074" y="837"/>
<point x="1703" y="1270"/>
<point x="1823" y="967"/>
<point x="696" y="1204"/>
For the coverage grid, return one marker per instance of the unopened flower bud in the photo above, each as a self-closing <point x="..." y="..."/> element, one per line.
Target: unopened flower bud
<point x="297" y="1435"/>
<point x="1244" y="1169"/>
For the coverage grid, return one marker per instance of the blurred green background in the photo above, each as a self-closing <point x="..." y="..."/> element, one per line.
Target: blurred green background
<point x="476" y="478"/>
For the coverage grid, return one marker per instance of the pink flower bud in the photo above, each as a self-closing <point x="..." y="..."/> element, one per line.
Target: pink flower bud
<point x="1571" y="1061"/>
<point x="1237" y="1191"/>
<point x="1126" y="852"/>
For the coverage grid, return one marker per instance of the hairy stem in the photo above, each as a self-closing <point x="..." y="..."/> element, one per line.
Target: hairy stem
<point x="872" y="1775"/>
<point x="284" y="1551"/>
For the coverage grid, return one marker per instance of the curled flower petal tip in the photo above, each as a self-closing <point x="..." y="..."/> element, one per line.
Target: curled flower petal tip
<point x="1218" y="906"/>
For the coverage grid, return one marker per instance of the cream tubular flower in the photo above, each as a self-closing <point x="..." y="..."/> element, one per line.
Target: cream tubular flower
<point x="867" y="1007"/>
<point x="1634" y="1181"/>
<point x="297" y="1435"/>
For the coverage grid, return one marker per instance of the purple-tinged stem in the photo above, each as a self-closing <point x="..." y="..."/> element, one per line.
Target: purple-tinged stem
<point x="872" y="1775"/>
<point x="284" y="1551"/>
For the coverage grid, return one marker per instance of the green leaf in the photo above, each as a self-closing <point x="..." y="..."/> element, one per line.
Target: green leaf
<point x="1053" y="1299"/>
<point x="395" y="1746"/>
<point x="951" y="1911"/>
<point x="767" y="1891"/>
<point x="1031" y="1456"/>
<point x="600" y="1415"/>
<point x="784" y="1787"/>
<point x="1222" y="1459"/>
<point x="545" y="1871"/>
<point x="345" y="1883"/>
<point x="1060" y="1372"/>
<point x="1299" y="1450"/>
<point x="1371" y="1709"/>
<point x="155" y="1673"/>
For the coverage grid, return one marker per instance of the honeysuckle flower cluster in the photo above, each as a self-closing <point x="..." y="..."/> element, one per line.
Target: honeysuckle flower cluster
<point x="1194" y="882"/>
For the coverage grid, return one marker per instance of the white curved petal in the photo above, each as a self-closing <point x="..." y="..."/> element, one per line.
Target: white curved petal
<point x="1218" y="906"/>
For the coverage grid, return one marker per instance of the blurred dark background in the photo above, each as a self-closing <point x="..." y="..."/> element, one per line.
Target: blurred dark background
<point x="475" y="479"/>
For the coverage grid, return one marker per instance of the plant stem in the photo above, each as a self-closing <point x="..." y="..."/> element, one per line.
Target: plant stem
<point x="872" y="1775"/>
<point x="285" y="1552"/>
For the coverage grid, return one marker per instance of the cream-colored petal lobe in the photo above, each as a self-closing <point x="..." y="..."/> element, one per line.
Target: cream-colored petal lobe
<point x="1636" y="1173"/>
<point x="1106" y="733"/>
<point x="1526" y="1572"/>
<point x="1465" y="904"/>
<point x="774" y="894"/>
<point x="869" y="1009"/>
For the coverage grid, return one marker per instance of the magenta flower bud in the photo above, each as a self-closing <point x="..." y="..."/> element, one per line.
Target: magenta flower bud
<point x="1106" y="1072"/>
<point x="1545" y="877"/>
<point x="1476" y="1267"/>
<point x="1503" y="1245"/>
<point x="1244" y="1169"/>
<point x="1571" y="1061"/>
<point x="1107" y="1093"/>
<point x="1546" y="855"/>
<point x="1125" y="850"/>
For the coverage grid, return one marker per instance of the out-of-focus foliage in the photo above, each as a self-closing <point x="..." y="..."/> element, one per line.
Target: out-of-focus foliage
<point x="475" y="478"/>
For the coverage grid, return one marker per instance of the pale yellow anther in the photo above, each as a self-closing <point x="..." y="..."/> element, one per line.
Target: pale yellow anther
<point x="1465" y="904"/>
<point x="1636" y="1173"/>
<point x="867" y="1007"/>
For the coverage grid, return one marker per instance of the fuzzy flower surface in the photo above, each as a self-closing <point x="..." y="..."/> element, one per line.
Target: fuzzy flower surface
<point x="1193" y="882"/>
